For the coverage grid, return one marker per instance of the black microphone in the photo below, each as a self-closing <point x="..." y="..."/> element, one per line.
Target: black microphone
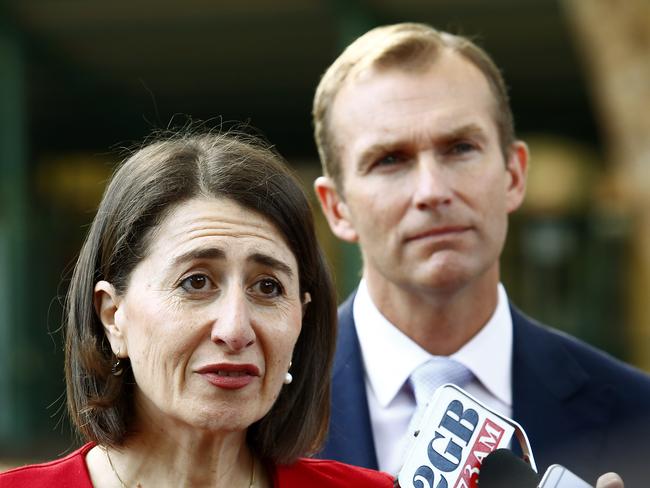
<point x="503" y="469"/>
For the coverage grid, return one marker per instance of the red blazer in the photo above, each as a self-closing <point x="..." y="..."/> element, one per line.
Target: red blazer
<point x="71" y="472"/>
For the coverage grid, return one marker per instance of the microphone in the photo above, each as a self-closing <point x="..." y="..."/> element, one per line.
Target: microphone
<point x="502" y="469"/>
<point x="453" y="438"/>
<point x="462" y="443"/>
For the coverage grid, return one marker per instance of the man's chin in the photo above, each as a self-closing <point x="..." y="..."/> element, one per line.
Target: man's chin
<point x="448" y="279"/>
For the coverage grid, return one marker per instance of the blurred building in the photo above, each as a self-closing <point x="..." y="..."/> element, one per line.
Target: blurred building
<point x="80" y="81"/>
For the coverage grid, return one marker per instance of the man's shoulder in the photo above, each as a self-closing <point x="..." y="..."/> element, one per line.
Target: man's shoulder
<point x="534" y="338"/>
<point x="580" y="406"/>
<point x="345" y="310"/>
<point x="347" y="335"/>
<point x="348" y="350"/>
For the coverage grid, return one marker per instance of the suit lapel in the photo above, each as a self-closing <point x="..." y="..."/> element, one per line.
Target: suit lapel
<point x="350" y="436"/>
<point x="563" y="412"/>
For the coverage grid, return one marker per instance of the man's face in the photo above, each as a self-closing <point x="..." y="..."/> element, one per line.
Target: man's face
<point x="426" y="190"/>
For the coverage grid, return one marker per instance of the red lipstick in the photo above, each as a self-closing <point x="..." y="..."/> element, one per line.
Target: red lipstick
<point x="229" y="376"/>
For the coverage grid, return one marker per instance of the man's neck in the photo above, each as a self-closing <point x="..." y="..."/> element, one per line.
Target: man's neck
<point x="440" y="321"/>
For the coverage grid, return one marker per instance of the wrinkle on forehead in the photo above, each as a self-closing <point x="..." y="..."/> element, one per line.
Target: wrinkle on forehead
<point x="215" y="218"/>
<point x="224" y="228"/>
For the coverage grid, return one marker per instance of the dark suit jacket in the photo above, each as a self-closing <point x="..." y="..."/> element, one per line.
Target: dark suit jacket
<point x="580" y="407"/>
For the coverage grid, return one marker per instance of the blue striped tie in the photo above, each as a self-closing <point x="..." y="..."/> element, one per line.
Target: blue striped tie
<point x="427" y="377"/>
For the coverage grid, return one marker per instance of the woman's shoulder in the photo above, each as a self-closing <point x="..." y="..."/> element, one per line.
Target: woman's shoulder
<point x="321" y="473"/>
<point x="68" y="471"/>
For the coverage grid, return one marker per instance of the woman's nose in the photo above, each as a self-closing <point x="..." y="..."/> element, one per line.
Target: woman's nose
<point x="232" y="327"/>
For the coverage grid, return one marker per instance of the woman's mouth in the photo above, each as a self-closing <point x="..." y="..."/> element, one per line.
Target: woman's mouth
<point x="229" y="376"/>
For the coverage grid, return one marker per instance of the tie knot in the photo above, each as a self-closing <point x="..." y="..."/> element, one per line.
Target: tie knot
<point x="426" y="378"/>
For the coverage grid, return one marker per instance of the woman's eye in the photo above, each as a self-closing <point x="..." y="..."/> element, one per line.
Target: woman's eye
<point x="197" y="282"/>
<point x="268" y="287"/>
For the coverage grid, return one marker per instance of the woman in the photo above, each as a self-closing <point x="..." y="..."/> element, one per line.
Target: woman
<point x="200" y="328"/>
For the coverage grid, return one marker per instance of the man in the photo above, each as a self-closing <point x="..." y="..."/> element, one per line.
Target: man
<point x="421" y="169"/>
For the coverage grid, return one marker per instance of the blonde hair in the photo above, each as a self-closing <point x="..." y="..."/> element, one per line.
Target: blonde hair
<point x="408" y="46"/>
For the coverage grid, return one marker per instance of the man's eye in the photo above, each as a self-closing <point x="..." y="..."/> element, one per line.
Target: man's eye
<point x="267" y="287"/>
<point x="390" y="159"/>
<point x="462" y="148"/>
<point x="196" y="282"/>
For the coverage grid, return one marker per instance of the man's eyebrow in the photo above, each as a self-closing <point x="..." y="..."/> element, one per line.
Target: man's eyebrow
<point x="271" y="262"/>
<point x="469" y="130"/>
<point x="374" y="151"/>
<point x="196" y="254"/>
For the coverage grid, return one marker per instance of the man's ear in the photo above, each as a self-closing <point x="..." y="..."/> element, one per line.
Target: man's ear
<point x="335" y="209"/>
<point x="107" y="303"/>
<point x="517" y="168"/>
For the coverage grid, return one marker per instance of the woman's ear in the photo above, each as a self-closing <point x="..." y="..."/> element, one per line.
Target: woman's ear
<point x="306" y="301"/>
<point x="107" y="303"/>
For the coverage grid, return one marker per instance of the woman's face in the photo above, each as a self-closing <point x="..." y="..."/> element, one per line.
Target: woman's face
<point x="210" y="317"/>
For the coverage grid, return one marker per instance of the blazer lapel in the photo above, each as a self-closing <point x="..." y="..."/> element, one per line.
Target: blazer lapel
<point x="350" y="436"/>
<point x="563" y="413"/>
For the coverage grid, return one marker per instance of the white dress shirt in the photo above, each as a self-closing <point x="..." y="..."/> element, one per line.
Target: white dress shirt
<point x="389" y="357"/>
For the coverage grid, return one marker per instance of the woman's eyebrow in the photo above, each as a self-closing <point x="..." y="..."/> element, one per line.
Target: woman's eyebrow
<point x="271" y="262"/>
<point x="194" y="254"/>
<point x="216" y="253"/>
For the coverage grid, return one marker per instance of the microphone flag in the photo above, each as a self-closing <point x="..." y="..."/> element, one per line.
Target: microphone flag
<point x="455" y="434"/>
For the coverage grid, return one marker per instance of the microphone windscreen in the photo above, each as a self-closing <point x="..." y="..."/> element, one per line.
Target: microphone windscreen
<point x="503" y="469"/>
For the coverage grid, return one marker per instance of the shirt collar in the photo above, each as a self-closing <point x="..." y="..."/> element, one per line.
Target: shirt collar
<point x="389" y="356"/>
<point x="492" y="369"/>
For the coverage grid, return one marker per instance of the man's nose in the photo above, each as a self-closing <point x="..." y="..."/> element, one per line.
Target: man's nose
<point x="232" y="326"/>
<point x="432" y="183"/>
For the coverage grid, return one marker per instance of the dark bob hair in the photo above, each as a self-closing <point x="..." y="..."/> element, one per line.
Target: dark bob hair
<point x="142" y="191"/>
